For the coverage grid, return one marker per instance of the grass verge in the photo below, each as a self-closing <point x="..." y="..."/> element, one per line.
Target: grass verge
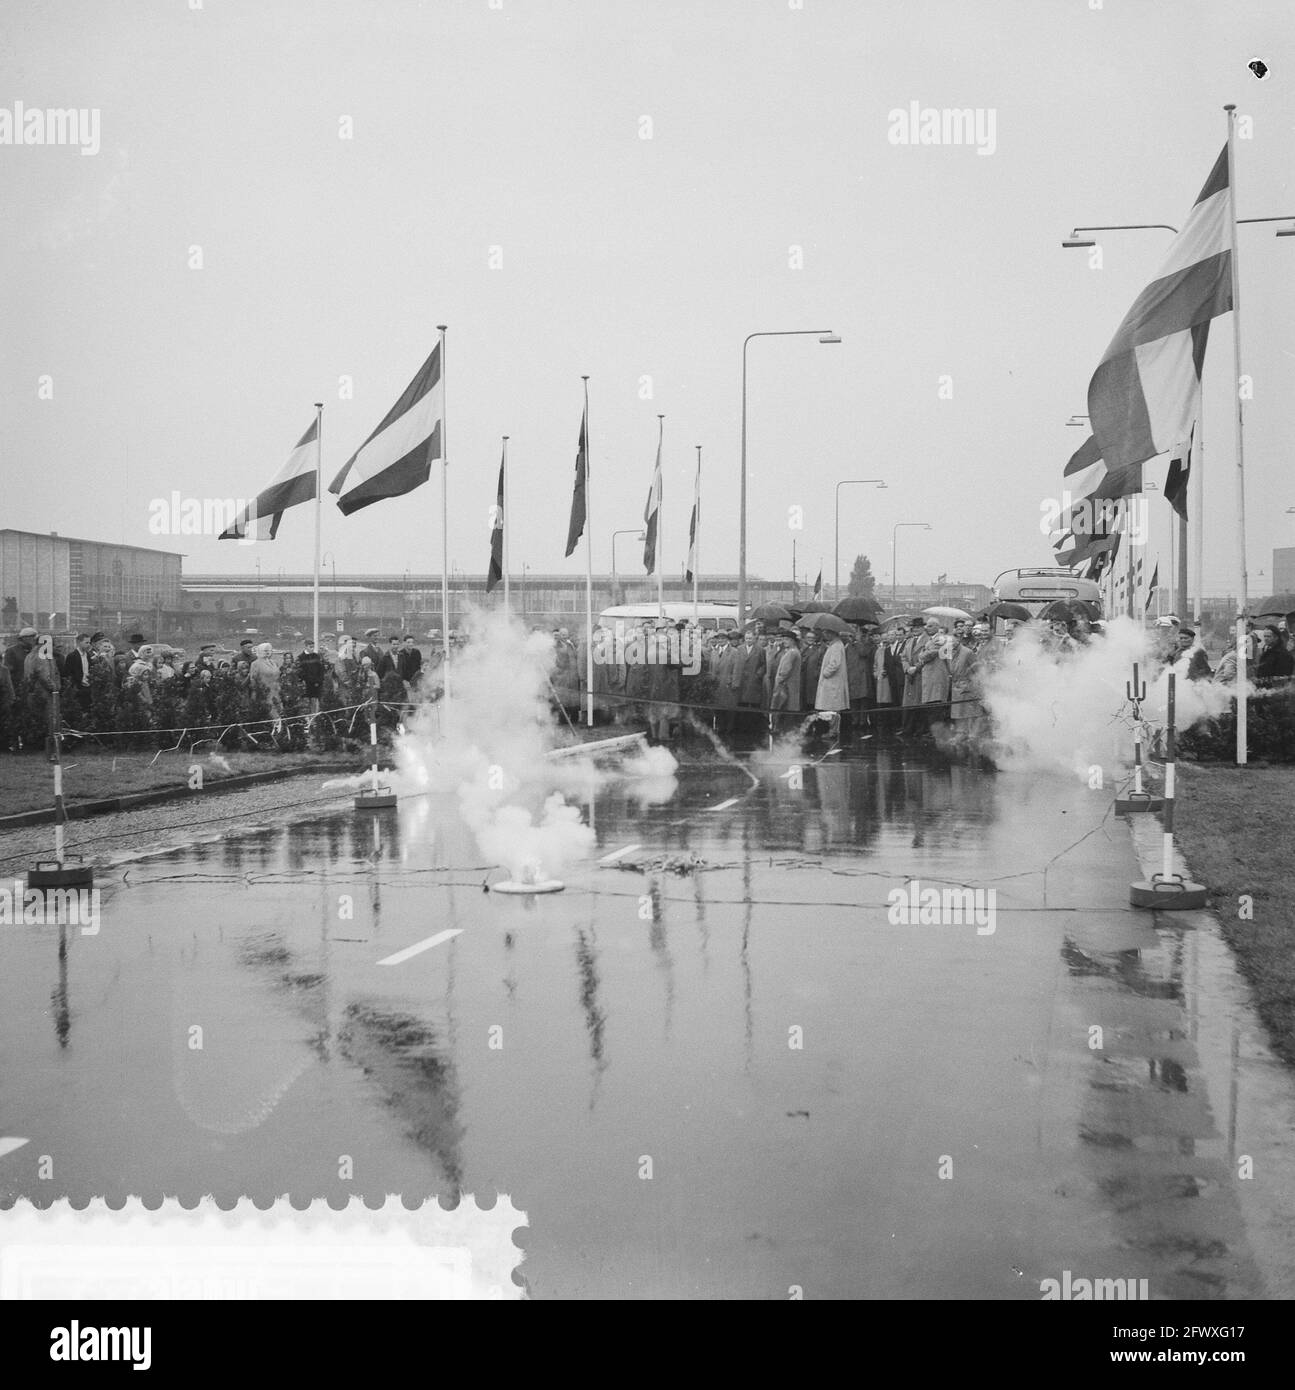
<point x="1233" y="827"/>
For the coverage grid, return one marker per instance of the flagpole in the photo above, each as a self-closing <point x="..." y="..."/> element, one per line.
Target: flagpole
<point x="660" y="507"/>
<point x="503" y="521"/>
<point x="445" y="530"/>
<point x="1197" y="466"/>
<point x="696" y="538"/>
<point x="1242" y="597"/>
<point x="589" y="575"/>
<point x="319" y="502"/>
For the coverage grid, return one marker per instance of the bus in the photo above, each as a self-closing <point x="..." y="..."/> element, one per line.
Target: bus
<point x="710" y="616"/>
<point x="1036" y="588"/>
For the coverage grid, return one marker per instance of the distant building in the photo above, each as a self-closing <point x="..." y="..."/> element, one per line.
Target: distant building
<point x="216" y="605"/>
<point x="64" y="583"/>
<point x="1283" y="571"/>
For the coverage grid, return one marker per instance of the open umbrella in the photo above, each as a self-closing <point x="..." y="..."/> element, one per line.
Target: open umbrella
<point x="950" y="614"/>
<point x="772" y="613"/>
<point x="816" y="605"/>
<point x="858" y="608"/>
<point x="1005" y="609"/>
<point x="826" y="622"/>
<point x="1058" y="611"/>
<point x="1277" y="606"/>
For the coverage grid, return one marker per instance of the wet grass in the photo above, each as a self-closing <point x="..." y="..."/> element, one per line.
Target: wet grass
<point x="90" y="774"/>
<point x="1233" y="826"/>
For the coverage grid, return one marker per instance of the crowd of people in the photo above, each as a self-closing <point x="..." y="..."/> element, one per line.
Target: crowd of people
<point x="907" y="679"/>
<point x="151" y="686"/>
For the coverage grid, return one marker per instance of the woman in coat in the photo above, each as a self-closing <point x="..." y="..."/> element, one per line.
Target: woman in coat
<point x="964" y="690"/>
<point x="265" y="678"/>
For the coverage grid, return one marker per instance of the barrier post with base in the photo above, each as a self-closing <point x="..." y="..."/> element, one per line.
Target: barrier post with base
<point x="1137" y="799"/>
<point x="1167" y="890"/>
<point x="377" y="798"/>
<point x="57" y="872"/>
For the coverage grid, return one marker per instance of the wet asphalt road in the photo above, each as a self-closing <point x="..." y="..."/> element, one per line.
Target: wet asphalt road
<point x="557" y="1043"/>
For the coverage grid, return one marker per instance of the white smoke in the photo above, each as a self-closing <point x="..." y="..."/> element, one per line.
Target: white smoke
<point x="484" y="747"/>
<point x="1068" y="714"/>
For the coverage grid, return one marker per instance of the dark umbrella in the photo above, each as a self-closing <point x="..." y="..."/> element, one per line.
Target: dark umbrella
<point x="858" y="609"/>
<point x="1004" y="609"/>
<point x="816" y="605"/>
<point x="1277" y="606"/>
<point x="772" y="613"/>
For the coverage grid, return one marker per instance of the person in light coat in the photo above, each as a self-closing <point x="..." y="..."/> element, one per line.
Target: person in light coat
<point x="784" y="698"/>
<point x="833" y="695"/>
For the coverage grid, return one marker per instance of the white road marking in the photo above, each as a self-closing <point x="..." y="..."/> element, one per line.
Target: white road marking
<point x="724" y="805"/>
<point x="618" y="854"/>
<point x="401" y="956"/>
<point x="7" y="1146"/>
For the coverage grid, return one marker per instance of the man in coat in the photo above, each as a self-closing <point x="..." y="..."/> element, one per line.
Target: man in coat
<point x="750" y="694"/>
<point x="811" y="662"/>
<point x="833" y="694"/>
<point x="410" y="663"/>
<point x="728" y="674"/>
<point x="76" y="672"/>
<point x="370" y="648"/>
<point x="784" y="695"/>
<point x="907" y="651"/>
<point x="931" y="659"/>
<point x="15" y="658"/>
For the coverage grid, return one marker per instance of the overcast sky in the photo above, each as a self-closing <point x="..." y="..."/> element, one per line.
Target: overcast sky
<point x="520" y="128"/>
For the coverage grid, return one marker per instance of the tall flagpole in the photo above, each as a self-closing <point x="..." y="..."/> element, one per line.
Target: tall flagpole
<point x="503" y="521"/>
<point x="1196" y="492"/>
<point x="660" y="507"/>
<point x="445" y="529"/>
<point x="589" y="575"/>
<point x="696" y="536"/>
<point x="1242" y="596"/>
<point x="319" y="502"/>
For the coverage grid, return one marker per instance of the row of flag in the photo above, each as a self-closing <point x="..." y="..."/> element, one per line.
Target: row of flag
<point x="1144" y="397"/>
<point x="397" y="457"/>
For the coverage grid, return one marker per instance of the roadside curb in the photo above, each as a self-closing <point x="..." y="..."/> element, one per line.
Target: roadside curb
<point x="137" y="800"/>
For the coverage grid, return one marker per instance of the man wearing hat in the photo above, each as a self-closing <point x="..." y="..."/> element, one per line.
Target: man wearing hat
<point x="784" y="697"/>
<point x="728" y="675"/>
<point x="15" y="658"/>
<point x="1198" y="666"/>
<point x="370" y="648"/>
<point x="750" y="695"/>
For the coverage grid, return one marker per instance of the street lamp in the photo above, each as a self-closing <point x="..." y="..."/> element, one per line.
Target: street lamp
<point x="836" y="529"/>
<point x="628" y="531"/>
<point x="824" y="335"/>
<point x="894" y="553"/>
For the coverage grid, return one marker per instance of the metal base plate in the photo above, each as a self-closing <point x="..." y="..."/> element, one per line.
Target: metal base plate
<point x="51" y="875"/>
<point x="1171" y="895"/>
<point x="544" y="885"/>
<point x="382" y="800"/>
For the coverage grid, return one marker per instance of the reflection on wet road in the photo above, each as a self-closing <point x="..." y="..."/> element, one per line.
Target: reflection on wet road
<point x="721" y="1082"/>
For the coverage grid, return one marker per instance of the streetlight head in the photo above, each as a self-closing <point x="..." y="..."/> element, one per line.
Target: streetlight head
<point x="1286" y="231"/>
<point x="830" y="338"/>
<point x="1074" y="241"/>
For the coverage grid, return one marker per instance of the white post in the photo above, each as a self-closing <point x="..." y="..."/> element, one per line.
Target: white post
<point x="504" y="524"/>
<point x="1242" y="597"/>
<point x="1196" y="490"/>
<point x="445" y="529"/>
<point x="696" y="545"/>
<point x="319" y="489"/>
<point x="660" y="509"/>
<point x="373" y="740"/>
<point x="589" y="573"/>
